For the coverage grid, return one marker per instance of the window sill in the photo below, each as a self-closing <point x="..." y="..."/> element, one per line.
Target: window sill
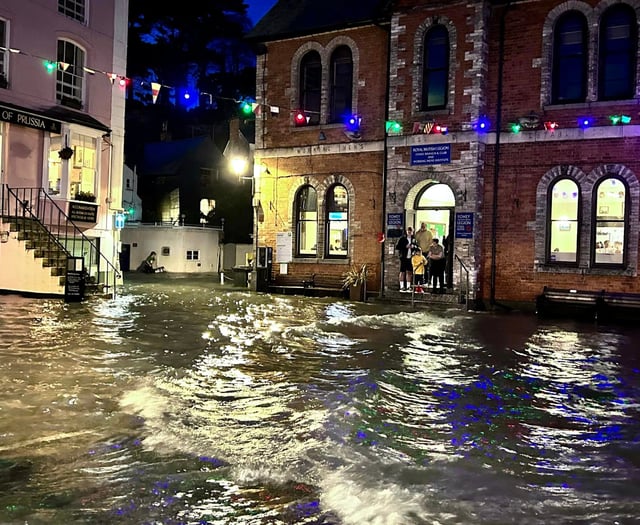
<point x="592" y="104"/>
<point x="317" y="260"/>
<point x="583" y="270"/>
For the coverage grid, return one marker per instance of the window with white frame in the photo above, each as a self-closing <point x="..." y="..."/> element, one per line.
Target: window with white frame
<point x="75" y="9"/>
<point x="4" y="53"/>
<point x="70" y="79"/>
<point x="193" y="255"/>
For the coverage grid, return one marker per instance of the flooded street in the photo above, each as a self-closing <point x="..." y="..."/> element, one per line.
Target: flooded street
<point x="184" y="402"/>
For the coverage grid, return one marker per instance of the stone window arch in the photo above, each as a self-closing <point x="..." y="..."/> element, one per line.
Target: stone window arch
<point x="431" y="32"/>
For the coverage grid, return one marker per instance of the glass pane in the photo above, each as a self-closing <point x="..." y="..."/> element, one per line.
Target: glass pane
<point x="338" y="237"/>
<point x="307" y="235"/>
<point x="609" y="243"/>
<point x="610" y="200"/>
<point x="337" y="199"/>
<point x="54" y="166"/>
<point x="564" y="228"/>
<point x="437" y="195"/>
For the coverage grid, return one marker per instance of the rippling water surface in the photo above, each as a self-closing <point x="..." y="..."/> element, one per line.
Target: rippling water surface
<point x="183" y="402"/>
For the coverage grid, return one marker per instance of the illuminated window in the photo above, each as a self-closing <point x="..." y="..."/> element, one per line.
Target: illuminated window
<point x="436" y="68"/>
<point x="306" y="222"/>
<point x="564" y="225"/>
<point x="610" y="212"/>
<point x="311" y="86"/>
<point x="337" y="222"/>
<point x="569" y="80"/>
<point x="341" y="84"/>
<point x="82" y="175"/>
<point x="70" y="79"/>
<point x="617" y="61"/>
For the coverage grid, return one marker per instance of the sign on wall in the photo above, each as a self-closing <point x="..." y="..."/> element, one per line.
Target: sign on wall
<point x="464" y="225"/>
<point x="284" y="247"/>
<point x="427" y="154"/>
<point x="83" y="212"/>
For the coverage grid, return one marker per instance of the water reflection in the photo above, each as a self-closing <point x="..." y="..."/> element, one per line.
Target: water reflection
<point x="185" y="402"/>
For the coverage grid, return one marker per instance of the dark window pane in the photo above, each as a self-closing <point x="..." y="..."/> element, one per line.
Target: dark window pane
<point x="617" y="61"/>
<point x="310" y="86"/>
<point x="341" y="84"/>
<point x="436" y="68"/>
<point x="570" y="59"/>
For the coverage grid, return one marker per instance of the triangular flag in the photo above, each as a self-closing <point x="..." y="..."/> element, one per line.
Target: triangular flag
<point x="112" y="77"/>
<point x="155" y="89"/>
<point x="63" y="65"/>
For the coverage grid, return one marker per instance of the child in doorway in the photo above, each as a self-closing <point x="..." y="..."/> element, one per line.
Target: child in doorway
<point x="419" y="264"/>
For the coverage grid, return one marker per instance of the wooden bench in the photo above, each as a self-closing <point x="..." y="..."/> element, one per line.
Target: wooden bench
<point x="620" y="306"/>
<point x="315" y="285"/>
<point x="570" y="302"/>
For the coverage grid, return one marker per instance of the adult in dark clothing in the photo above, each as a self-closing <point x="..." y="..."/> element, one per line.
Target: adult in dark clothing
<point x="405" y="246"/>
<point x="436" y="264"/>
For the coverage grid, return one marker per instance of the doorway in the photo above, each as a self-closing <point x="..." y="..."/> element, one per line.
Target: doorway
<point x="435" y="206"/>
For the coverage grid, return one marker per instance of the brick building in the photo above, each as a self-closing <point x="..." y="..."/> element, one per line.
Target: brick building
<point x="509" y="127"/>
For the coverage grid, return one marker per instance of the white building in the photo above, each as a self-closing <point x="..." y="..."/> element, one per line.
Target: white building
<point x="62" y="105"/>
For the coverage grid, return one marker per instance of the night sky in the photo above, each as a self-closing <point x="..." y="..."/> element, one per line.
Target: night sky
<point x="258" y="8"/>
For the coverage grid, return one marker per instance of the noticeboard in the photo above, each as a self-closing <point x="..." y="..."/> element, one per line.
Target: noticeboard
<point x="83" y="212"/>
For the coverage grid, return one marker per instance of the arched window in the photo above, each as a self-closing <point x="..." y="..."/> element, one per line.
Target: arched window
<point x="337" y="222"/>
<point x="569" y="81"/>
<point x="618" y="46"/>
<point x="564" y="222"/>
<point x="70" y="77"/>
<point x="436" y="68"/>
<point x="306" y="222"/>
<point x="341" y="84"/>
<point x="610" y="222"/>
<point x="311" y="86"/>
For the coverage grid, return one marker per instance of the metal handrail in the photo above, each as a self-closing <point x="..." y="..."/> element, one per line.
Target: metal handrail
<point x="467" y="285"/>
<point x="37" y="205"/>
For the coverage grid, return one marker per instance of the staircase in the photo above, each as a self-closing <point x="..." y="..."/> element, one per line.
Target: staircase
<point x="38" y="227"/>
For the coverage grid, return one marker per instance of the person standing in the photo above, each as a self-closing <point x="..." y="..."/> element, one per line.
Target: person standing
<point x="436" y="265"/>
<point x="404" y="246"/>
<point x="419" y="264"/>
<point x="423" y="239"/>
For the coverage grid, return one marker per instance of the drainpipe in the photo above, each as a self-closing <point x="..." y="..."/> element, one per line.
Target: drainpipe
<point x="385" y="168"/>
<point x="496" y="168"/>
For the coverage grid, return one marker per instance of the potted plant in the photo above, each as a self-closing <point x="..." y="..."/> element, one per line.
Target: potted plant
<point x="85" y="196"/>
<point x="355" y="280"/>
<point x="65" y="153"/>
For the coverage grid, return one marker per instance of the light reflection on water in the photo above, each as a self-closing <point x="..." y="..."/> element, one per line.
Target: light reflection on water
<point x="184" y="402"/>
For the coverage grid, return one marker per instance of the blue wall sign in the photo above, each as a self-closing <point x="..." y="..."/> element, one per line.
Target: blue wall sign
<point x="119" y="221"/>
<point x="431" y="154"/>
<point x="464" y="225"/>
<point x="395" y="219"/>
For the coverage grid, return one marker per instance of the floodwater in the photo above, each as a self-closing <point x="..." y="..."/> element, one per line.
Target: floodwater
<point x="185" y="402"/>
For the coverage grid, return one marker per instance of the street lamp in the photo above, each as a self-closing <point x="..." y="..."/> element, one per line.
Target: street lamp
<point x="239" y="155"/>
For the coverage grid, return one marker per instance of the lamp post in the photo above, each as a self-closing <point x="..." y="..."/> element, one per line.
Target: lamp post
<point x="239" y="155"/>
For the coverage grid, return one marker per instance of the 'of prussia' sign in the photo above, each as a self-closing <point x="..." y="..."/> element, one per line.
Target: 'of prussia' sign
<point x="31" y="120"/>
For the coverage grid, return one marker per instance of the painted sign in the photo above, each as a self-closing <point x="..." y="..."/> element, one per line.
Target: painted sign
<point x="395" y="219"/>
<point x="427" y="154"/>
<point x="464" y="225"/>
<point x="31" y="120"/>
